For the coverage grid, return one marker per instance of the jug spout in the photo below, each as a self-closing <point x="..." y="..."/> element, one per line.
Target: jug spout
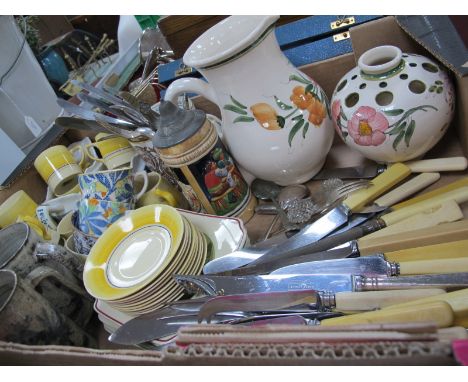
<point x="227" y="39"/>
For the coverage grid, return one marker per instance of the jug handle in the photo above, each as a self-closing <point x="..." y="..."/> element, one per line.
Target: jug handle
<point x="190" y="85"/>
<point x="195" y="85"/>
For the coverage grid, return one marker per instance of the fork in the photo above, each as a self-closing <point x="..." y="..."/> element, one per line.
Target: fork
<point x="301" y="211"/>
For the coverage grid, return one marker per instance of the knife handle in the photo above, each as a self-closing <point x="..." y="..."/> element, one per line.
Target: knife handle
<point x="440" y="164"/>
<point x="459" y="195"/>
<point x="434" y="266"/>
<point x="438" y="312"/>
<point x="408" y="188"/>
<point x="356" y="301"/>
<point x="448" y="211"/>
<point x="381" y="183"/>
<point x="445" y="281"/>
<point x="452" y="249"/>
<point x="427" y="195"/>
<point x="458" y="300"/>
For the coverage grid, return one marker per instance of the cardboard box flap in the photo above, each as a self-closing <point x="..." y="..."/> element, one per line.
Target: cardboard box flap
<point x="439" y="36"/>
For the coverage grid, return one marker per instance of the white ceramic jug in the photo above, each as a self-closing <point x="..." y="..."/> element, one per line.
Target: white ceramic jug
<point x="276" y="120"/>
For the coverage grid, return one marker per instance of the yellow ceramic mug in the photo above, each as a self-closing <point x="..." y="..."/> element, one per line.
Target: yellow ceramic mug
<point x="59" y="169"/>
<point x="116" y="152"/>
<point x="160" y="192"/>
<point x="20" y="203"/>
<point x="35" y="224"/>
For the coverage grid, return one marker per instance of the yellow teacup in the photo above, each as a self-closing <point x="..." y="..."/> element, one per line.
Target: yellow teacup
<point x="103" y="136"/>
<point x="116" y="152"/>
<point x="35" y="224"/>
<point x="58" y="168"/>
<point x="160" y="192"/>
<point x="20" y="203"/>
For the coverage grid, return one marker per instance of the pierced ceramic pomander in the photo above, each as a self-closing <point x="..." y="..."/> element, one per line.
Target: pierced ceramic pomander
<point x="393" y="106"/>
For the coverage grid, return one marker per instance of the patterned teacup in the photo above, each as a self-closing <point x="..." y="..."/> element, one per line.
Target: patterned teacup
<point x="95" y="215"/>
<point x="112" y="185"/>
<point x="83" y="242"/>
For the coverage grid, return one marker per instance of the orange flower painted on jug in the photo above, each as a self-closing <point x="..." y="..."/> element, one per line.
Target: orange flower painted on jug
<point x="266" y="116"/>
<point x="300" y="98"/>
<point x="317" y="112"/>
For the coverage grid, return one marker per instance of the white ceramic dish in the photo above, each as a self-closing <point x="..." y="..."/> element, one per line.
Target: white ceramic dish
<point x="226" y="234"/>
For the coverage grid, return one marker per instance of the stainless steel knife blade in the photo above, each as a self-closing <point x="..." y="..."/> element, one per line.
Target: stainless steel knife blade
<point x="144" y="328"/>
<point x="224" y="285"/>
<point x="364" y="266"/>
<point x="358" y="172"/>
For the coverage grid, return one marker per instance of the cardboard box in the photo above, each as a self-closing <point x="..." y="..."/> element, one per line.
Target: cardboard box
<point x="327" y="73"/>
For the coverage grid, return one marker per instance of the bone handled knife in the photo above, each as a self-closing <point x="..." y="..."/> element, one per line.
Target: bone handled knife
<point x="339" y="215"/>
<point x="318" y="300"/>
<point x="402" y="192"/>
<point x="269" y="262"/>
<point x="224" y="285"/>
<point x="372" y="170"/>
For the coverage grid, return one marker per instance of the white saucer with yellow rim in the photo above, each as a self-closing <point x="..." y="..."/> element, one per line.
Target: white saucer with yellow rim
<point x="132" y="252"/>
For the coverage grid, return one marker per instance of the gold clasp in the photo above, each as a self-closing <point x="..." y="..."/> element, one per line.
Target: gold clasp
<point x="342" y="22"/>
<point x="184" y="69"/>
<point x="341" y="36"/>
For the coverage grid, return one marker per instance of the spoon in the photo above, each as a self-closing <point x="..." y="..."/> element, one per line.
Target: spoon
<point x="266" y="190"/>
<point x="140" y="134"/>
<point x="131" y="113"/>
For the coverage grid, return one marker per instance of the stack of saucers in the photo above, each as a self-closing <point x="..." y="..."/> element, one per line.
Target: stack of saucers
<point x="132" y="264"/>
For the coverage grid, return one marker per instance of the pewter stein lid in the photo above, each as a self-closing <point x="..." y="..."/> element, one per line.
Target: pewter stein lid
<point x="176" y="125"/>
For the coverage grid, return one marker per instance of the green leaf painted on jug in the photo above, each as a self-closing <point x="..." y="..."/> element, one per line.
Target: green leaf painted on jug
<point x="243" y="118"/>
<point x="237" y="103"/>
<point x="235" y="109"/>
<point x="294" y="130"/>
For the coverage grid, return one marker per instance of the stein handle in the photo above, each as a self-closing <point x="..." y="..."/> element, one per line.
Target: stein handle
<point x="37" y="275"/>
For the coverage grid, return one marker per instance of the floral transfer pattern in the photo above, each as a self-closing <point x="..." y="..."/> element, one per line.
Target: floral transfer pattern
<point x="369" y="127"/>
<point x="95" y="216"/>
<point x="309" y="99"/>
<point x="111" y="186"/>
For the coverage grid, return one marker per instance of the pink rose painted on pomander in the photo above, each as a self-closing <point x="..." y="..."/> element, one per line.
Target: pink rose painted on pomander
<point x="393" y="106"/>
<point x="367" y="127"/>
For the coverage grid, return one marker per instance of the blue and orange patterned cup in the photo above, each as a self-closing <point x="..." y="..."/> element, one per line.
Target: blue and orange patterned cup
<point x="96" y="215"/>
<point x="112" y="185"/>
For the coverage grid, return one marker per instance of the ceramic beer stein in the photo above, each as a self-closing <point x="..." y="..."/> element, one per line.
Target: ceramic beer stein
<point x="187" y="140"/>
<point x="276" y="120"/>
